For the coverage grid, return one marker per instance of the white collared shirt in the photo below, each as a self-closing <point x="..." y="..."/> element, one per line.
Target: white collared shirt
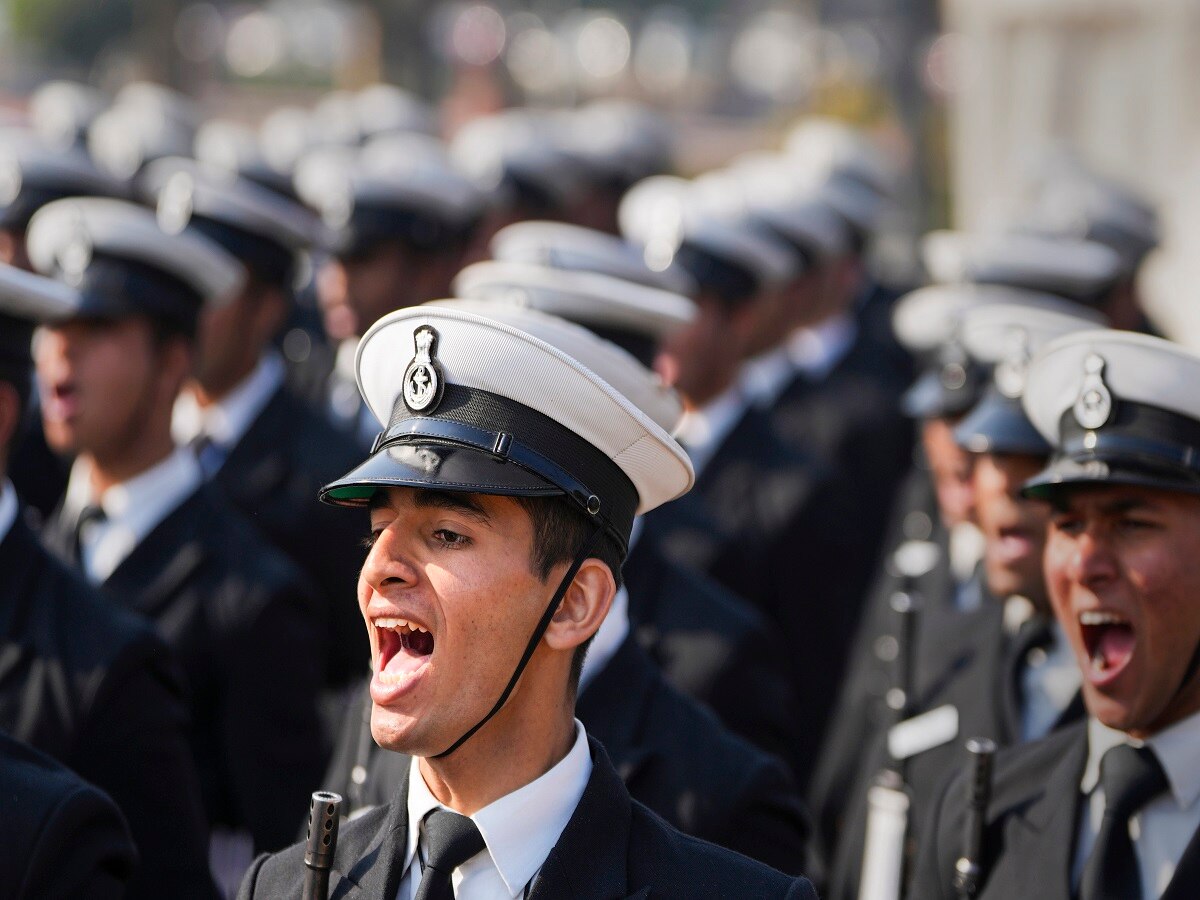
<point x="226" y="422"/>
<point x="132" y="509"/>
<point x="1050" y="679"/>
<point x="609" y="637"/>
<point x="1164" y="826"/>
<point x="519" y="830"/>
<point x="702" y="431"/>
<point x="766" y="376"/>
<point x="815" y="351"/>
<point x="8" y="507"/>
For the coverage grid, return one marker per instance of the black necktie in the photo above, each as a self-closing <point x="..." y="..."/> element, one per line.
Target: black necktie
<point x="1131" y="778"/>
<point x="89" y="516"/>
<point x="452" y="840"/>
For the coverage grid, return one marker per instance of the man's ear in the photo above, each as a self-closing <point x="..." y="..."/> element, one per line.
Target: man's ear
<point x="583" y="607"/>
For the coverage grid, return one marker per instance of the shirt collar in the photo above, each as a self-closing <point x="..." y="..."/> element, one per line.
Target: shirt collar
<point x="227" y="421"/>
<point x="144" y="500"/>
<point x="8" y="507"/>
<point x="520" y="829"/>
<point x="609" y="637"/>
<point x="816" y="350"/>
<point x="702" y="431"/>
<point x="1175" y="748"/>
<point x="764" y="377"/>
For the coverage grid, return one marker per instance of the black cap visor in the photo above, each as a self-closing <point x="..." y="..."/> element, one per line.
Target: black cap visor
<point x="997" y="424"/>
<point x="435" y="466"/>
<point x="1140" y="445"/>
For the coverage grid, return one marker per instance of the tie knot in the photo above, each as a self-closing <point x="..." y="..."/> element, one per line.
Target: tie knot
<point x="1131" y="776"/>
<point x="452" y="840"/>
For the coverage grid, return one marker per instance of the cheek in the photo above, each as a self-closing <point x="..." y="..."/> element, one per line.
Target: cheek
<point x="1057" y="566"/>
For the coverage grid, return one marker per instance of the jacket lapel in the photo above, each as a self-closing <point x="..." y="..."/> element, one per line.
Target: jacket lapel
<point x="374" y="865"/>
<point x="258" y="464"/>
<point x="1185" y="884"/>
<point x="154" y="571"/>
<point x="1040" y="840"/>
<point x="590" y="860"/>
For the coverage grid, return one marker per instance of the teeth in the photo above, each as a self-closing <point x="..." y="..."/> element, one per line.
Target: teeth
<point x="1099" y="663"/>
<point x="393" y="624"/>
<point x="1100" y="618"/>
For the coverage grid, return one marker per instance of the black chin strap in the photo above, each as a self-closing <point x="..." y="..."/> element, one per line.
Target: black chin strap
<point x="534" y="639"/>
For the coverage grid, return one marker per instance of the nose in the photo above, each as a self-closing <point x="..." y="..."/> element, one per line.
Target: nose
<point x="1091" y="562"/>
<point x="388" y="565"/>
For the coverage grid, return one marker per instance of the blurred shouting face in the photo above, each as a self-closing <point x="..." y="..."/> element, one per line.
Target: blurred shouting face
<point x="1014" y="529"/>
<point x="100" y="383"/>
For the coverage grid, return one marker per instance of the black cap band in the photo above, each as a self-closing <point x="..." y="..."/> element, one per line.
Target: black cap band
<point x="1138" y="445"/>
<point x="998" y="424"/>
<point x="269" y="260"/>
<point x="733" y="283"/>
<point x="114" y="288"/>
<point x="498" y="433"/>
<point x="372" y="224"/>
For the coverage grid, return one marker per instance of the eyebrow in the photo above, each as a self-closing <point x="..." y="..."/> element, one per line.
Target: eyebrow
<point x="455" y="501"/>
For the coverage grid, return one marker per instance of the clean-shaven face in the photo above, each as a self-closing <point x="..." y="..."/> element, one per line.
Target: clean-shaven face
<point x="450" y="595"/>
<point x="1123" y="569"/>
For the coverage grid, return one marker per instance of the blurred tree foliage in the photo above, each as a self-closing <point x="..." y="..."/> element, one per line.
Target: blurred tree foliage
<point x="77" y="30"/>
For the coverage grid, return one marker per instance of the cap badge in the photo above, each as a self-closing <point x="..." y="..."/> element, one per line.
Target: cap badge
<point x="10" y="181"/>
<point x="74" y="254"/>
<point x="423" y="382"/>
<point x="175" y="203"/>
<point x="1011" y="370"/>
<point x="1095" y="402"/>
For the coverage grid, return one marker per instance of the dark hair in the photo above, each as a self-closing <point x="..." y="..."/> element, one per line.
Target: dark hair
<point x="559" y="532"/>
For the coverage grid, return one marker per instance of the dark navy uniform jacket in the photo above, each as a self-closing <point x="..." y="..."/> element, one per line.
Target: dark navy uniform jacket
<point x="673" y="756"/>
<point x="1031" y="827"/>
<point x="272" y="476"/>
<point x="96" y="689"/>
<point x="245" y="629"/>
<point x="63" y="838"/>
<point x="613" y="848"/>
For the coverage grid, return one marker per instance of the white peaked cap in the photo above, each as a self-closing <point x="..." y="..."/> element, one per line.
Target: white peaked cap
<point x="76" y="228"/>
<point x="561" y="245"/>
<point x="526" y="366"/>
<point x="589" y="298"/>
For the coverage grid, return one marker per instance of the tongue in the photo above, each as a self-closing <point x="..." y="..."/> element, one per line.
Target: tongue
<point x="1115" y="646"/>
<point x="412" y="651"/>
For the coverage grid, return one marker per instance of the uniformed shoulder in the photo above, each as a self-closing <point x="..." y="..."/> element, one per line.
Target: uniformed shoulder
<point x="281" y="874"/>
<point x="674" y="864"/>
<point x="62" y="597"/>
<point x="49" y="808"/>
<point x="1019" y="773"/>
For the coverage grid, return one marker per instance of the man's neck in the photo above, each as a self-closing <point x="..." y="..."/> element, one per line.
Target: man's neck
<point x="207" y="395"/>
<point x="106" y="471"/>
<point x="490" y="766"/>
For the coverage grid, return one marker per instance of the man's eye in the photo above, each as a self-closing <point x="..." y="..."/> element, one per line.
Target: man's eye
<point x="449" y="538"/>
<point x="1137" y="525"/>
<point x="1067" y="525"/>
<point x="369" y="541"/>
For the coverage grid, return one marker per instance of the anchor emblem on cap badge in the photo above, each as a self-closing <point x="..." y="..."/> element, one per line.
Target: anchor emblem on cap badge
<point x="423" y="382"/>
<point x="1095" y="402"/>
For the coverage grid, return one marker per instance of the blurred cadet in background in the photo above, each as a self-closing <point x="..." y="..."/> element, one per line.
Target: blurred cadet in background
<point x="402" y="219"/>
<point x="267" y="450"/>
<point x="139" y="520"/>
<point x="100" y="693"/>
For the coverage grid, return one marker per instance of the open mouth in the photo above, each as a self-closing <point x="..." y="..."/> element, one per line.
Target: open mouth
<point x="404" y="649"/>
<point x="1015" y="542"/>
<point x="60" y="401"/>
<point x="1109" y="640"/>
